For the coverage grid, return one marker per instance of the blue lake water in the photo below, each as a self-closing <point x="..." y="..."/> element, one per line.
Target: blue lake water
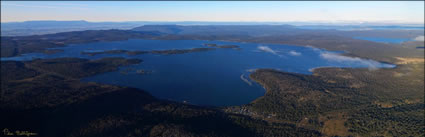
<point x="384" y="40"/>
<point x="218" y="77"/>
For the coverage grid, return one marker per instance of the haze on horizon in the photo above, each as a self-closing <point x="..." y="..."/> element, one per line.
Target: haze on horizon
<point x="223" y="11"/>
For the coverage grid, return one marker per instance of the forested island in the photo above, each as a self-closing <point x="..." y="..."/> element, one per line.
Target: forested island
<point x="163" y="52"/>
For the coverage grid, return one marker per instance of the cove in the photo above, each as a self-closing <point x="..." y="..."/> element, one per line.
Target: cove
<point x="218" y="77"/>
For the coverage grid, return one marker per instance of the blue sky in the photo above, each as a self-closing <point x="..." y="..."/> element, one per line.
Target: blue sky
<point x="277" y="11"/>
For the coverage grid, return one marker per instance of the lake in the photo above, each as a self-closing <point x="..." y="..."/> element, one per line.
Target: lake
<point x="217" y="77"/>
<point x="384" y="40"/>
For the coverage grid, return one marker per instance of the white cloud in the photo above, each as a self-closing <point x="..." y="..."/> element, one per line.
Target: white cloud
<point x="313" y="48"/>
<point x="420" y="38"/>
<point x="294" y="53"/>
<point x="266" y="49"/>
<point x="372" y="65"/>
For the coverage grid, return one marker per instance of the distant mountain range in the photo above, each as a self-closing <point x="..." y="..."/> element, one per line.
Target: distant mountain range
<point x="279" y="30"/>
<point x="48" y="27"/>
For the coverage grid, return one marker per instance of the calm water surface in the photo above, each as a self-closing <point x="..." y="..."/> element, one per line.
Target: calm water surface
<point x="384" y="40"/>
<point x="219" y="77"/>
